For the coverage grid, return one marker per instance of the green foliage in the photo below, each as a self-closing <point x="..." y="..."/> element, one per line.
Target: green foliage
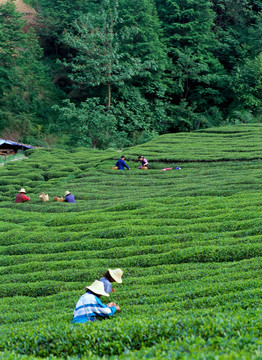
<point x="90" y="123"/>
<point x="59" y="15"/>
<point x="188" y="241"/>
<point x="99" y="59"/>
<point x="210" y="45"/>
<point x="139" y="335"/>
<point x="159" y="65"/>
<point x="247" y="85"/>
<point x="197" y="76"/>
<point x="25" y="87"/>
<point x="103" y="54"/>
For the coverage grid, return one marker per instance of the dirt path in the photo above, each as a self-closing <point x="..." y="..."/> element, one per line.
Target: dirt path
<point x="15" y="159"/>
<point x="21" y="7"/>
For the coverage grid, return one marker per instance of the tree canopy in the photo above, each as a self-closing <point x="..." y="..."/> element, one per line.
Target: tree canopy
<point x="128" y="70"/>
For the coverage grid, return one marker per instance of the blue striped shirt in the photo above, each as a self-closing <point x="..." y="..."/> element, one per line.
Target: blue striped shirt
<point x="89" y="306"/>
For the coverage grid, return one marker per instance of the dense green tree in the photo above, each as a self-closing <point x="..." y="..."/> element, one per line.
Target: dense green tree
<point x="54" y="18"/>
<point x="57" y="15"/>
<point x="209" y="43"/>
<point x="125" y="56"/>
<point x="247" y="87"/>
<point x="146" y="66"/>
<point x="149" y="86"/>
<point x="196" y="75"/>
<point x="147" y="44"/>
<point x="98" y="59"/>
<point x="238" y="26"/>
<point x="25" y="86"/>
<point x="89" y="124"/>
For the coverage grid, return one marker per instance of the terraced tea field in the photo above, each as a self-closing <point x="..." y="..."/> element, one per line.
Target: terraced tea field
<point x="188" y="241"/>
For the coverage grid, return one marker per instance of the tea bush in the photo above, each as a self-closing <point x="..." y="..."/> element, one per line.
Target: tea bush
<point x="188" y="241"/>
<point x="124" y="336"/>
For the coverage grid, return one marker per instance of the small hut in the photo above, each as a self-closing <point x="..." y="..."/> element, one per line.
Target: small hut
<point x="8" y="147"/>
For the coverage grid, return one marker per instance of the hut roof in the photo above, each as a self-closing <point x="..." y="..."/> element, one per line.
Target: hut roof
<point x="4" y="142"/>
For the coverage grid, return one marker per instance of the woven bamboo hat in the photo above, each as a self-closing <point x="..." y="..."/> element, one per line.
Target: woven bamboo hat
<point x="67" y="192"/>
<point x="116" y="274"/>
<point x="22" y="190"/>
<point x="98" y="288"/>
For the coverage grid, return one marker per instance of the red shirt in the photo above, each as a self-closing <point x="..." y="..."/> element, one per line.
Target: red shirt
<point x="21" y="197"/>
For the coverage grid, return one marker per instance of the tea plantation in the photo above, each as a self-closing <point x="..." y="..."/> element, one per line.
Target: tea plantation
<point x="188" y="241"/>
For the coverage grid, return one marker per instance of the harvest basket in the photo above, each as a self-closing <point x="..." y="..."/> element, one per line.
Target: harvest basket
<point x="44" y="197"/>
<point x="56" y="198"/>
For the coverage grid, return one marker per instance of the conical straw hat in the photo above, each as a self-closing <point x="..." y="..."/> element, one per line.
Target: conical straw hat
<point x="98" y="288"/>
<point x="116" y="274"/>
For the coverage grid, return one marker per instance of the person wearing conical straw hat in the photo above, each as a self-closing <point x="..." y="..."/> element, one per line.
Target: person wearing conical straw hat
<point x="89" y="306"/>
<point x="21" y="197"/>
<point x="112" y="276"/>
<point x="69" y="197"/>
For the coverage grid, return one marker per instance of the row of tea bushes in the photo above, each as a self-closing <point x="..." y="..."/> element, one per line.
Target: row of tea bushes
<point x="217" y="330"/>
<point x="150" y="258"/>
<point x="95" y="191"/>
<point x="189" y="242"/>
<point x="245" y="143"/>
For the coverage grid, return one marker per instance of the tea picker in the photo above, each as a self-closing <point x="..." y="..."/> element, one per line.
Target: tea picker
<point x="121" y="164"/>
<point x="89" y="306"/>
<point x="69" y="197"/>
<point x="111" y="276"/>
<point x="21" y="197"/>
<point x="144" y="163"/>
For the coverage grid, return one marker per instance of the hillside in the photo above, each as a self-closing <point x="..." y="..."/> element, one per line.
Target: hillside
<point x="21" y="7"/>
<point x="140" y="68"/>
<point x="188" y="241"/>
<point x="28" y="12"/>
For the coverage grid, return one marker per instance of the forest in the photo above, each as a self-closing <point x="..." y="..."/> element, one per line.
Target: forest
<point x="113" y="74"/>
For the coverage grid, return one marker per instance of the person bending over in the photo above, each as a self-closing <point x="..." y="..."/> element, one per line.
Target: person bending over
<point x="69" y="197"/>
<point x="89" y="306"/>
<point x="121" y="164"/>
<point x="21" y="197"/>
<point x="144" y="163"/>
<point x="111" y="276"/>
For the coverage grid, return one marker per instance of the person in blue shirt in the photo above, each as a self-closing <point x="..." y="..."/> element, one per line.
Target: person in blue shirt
<point x="121" y="164"/>
<point x="111" y="276"/>
<point x="69" y="197"/>
<point x="89" y="306"/>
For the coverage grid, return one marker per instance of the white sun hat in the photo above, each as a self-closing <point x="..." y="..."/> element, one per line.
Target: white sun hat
<point x="116" y="274"/>
<point x="98" y="288"/>
<point x="22" y="190"/>
<point x="67" y="193"/>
